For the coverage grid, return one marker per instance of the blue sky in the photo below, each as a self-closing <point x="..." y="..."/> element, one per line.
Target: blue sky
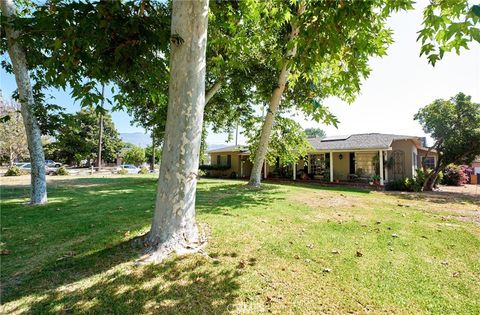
<point x="398" y="86"/>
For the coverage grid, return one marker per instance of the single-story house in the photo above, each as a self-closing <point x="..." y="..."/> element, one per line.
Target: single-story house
<point x="341" y="158"/>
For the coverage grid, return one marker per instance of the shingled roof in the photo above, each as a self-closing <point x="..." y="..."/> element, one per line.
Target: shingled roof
<point x="363" y="141"/>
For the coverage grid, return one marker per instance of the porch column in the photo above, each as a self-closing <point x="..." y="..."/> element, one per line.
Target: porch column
<point x="331" y="166"/>
<point x="386" y="168"/>
<point x="309" y="167"/>
<point x="241" y="168"/>
<point x="294" y="171"/>
<point x="380" y="158"/>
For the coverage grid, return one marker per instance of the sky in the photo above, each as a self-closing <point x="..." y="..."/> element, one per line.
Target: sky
<point x="399" y="84"/>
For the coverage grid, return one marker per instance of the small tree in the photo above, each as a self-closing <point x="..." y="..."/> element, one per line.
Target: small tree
<point x="315" y="133"/>
<point x="454" y="124"/>
<point x="134" y="155"/>
<point x="13" y="141"/>
<point x="288" y="141"/>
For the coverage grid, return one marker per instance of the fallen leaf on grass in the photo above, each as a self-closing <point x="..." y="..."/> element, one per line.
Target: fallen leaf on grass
<point x="359" y="254"/>
<point x="67" y="255"/>
<point x="445" y="262"/>
<point x="327" y="270"/>
<point x="310" y="246"/>
<point x="456" y="274"/>
<point x="335" y="251"/>
<point x="394" y="235"/>
<point x="241" y="264"/>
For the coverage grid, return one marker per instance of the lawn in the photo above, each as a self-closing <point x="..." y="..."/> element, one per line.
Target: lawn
<point x="281" y="249"/>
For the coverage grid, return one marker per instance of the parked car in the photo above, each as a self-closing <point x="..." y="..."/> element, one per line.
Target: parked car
<point x="130" y="168"/>
<point x="27" y="167"/>
<point x="52" y="163"/>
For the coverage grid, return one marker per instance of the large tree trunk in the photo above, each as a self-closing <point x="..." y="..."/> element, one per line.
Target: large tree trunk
<point x="260" y="154"/>
<point x="38" y="191"/>
<point x="173" y="227"/>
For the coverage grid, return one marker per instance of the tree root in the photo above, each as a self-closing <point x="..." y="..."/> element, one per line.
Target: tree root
<point x="157" y="252"/>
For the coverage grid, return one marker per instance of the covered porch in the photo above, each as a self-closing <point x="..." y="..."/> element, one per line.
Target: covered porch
<point x="359" y="166"/>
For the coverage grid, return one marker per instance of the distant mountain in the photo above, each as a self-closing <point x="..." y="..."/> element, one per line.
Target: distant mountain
<point x="136" y="138"/>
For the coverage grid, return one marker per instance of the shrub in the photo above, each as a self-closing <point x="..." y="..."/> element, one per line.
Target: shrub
<point x="61" y="171"/>
<point x="421" y="177"/>
<point x="214" y="167"/>
<point x="144" y="170"/>
<point x="201" y="173"/>
<point x="404" y="184"/>
<point x="13" y="171"/>
<point x="122" y="171"/>
<point x="455" y="175"/>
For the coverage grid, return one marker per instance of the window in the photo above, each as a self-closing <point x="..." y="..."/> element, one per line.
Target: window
<point x="429" y="162"/>
<point x="219" y="159"/>
<point x="229" y="160"/>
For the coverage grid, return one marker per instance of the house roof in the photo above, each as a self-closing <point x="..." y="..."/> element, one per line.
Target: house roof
<point x="364" y="141"/>
<point x="232" y="148"/>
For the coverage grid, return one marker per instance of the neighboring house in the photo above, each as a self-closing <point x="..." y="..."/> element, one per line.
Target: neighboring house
<point x="342" y="158"/>
<point x="476" y="165"/>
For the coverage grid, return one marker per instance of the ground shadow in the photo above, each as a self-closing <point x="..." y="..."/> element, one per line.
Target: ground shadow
<point x="180" y="285"/>
<point x="214" y="199"/>
<point x="439" y="197"/>
<point x="320" y="186"/>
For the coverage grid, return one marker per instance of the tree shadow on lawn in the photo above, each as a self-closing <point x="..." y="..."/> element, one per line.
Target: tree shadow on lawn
<point x="319" y="186"/>
<point x="217" y="199"/>
<point x="439" y="197"/>
<point x="94" y="222"/>
<point x="179" y="285"/>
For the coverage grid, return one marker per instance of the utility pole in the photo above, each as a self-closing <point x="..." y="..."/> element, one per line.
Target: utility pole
<point x="153" y="151"/>
<point x="100" y="134"/>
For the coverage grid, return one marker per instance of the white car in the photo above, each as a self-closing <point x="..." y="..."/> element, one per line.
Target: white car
<point x="27" y="167"/>
<point x="130" y="168"/>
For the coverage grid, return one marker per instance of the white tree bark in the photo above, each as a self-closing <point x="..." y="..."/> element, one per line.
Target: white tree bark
<point x="260" y="154"/>
<point x="173" y="227"/>
<point x="38" y="192"/>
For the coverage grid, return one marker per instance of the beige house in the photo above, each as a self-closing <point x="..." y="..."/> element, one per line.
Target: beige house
<point x="340" y="158"/>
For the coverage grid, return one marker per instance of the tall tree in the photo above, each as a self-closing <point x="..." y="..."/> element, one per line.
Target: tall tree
<point x="38" y="190"/>
<point x="326" y="46"/>
<point x="173" y="226"/>
<point x="13" y="141"/>
<point x="454" y="124"/>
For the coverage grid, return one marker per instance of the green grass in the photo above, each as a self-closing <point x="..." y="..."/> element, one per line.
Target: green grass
<point x="267" y="251"/>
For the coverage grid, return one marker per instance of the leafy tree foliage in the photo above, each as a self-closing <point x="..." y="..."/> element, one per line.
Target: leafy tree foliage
<point x="454" y="124"/>
<point x="134" y="155"/>
<point x="77" y="139"/>
<point x="288" y="140"/>
<point x="13" y="140"/>
<point x="315" y="133"/>
<point x="149" y="154"/>
<point x="448" y="25"/>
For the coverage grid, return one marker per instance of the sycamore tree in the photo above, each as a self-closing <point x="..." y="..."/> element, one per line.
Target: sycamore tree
<point x="322" y="49"/>
<point x="16" y="51"/>
<point x="454" y="124"/>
